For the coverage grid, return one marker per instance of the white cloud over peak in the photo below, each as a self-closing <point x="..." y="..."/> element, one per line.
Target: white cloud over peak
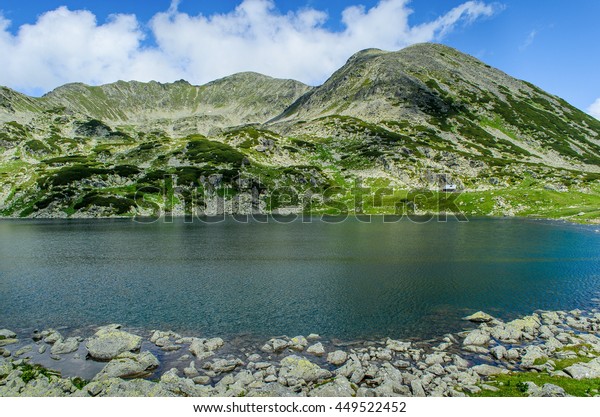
<point x="67" y="46"/>
<point x="594" y="109"/>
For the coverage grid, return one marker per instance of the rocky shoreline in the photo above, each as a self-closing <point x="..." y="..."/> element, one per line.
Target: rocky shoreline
<point x="560" y="349"/>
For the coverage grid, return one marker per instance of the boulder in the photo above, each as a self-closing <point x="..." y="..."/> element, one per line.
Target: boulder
<point x="60" y="347"/>
<point x="224" y="365"/>
<point x="6" y="342"/>
<point x="295" y="367"/>
<point x="476" y="337"/>
<point x="272" y="389"/>
<point x="110" y="342"/>
<point x="397" y="345"/>
<point x="51" y="336"/>
<point x="204" y="348"/>
<point x="488" y="370"/>
<point x="499" y="352"/>
<point x="479" y="317"/>
<point x="298" y="343"/>
<point x="584" y="370"/>
<point x="7" y="334"/>
<point x="506" y="333"/>
<point x="191" y="371"/>
<point x="339" y="387"/>
<point x="551" y="390"/>
<point x="275" y="345"/>
<point x="117" y="387"/>
<point x="129" y="365"/>
<point x="527" y="324"/>
<point x="316" y="349"/>
<point x="417" y="388"/>
<point x="339" y="357"/>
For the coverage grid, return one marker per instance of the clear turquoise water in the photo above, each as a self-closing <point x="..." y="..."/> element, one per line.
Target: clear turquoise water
<point x="346" y="280"/>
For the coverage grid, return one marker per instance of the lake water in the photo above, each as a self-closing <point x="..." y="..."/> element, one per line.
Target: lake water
<point x="347" y="280"/>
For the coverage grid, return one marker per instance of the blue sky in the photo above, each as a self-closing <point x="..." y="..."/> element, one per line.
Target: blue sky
<point x="553" y="44"/>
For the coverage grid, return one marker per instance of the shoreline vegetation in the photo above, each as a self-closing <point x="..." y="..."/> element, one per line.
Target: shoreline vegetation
<point x="547" y="353"/>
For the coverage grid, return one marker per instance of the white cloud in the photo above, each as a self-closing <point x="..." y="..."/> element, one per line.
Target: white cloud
<point x="67" y="46"/>
<point x="529" y="40"/>
<point x="594" y="109"/>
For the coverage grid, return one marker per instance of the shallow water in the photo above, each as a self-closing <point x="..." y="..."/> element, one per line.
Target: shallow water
<point x="347" y="280"/>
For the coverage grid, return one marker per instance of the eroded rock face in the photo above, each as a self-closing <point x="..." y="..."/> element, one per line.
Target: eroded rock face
<point x="109" y="342"/>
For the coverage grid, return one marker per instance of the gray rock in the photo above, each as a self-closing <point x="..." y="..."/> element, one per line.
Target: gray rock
<point x="512" y="354"/>
<point x="436" y="369"/>
<point x="52" y="336"/>
<point x="273" y="390"/>
<point x="338" y="357"/>
<point x="117" y="387"/>
<point x="298" y="343"/>
<point x="551" y="390"/>
<point x="339" y="387"/>
<point x="191" y="371"/>
<point x="417" y="388"/>
<point x="255" y="357"/>
<point x="584" y="370"/>
<point x="460" y="362"/>
<point x="479" y="317"/>
<point x="224" y="365"/>
<point x="434" y="358"/>
<point x="471" y="389"/>
<point x="129" y="365"/>
<point x="531" y="354"/>
<point x="203" y="348"/>
<point x="201" y="380"/>
<point x="7" y="334"/>
<point x="313" y="336"/>
<point x="316" y="349"/>
<point x="489" y="388"/>
<point x="397" y="345"/>
<point x="488" y="370"/>
<point x="23" y="351"/>
<point x="109" y="342"/>
<point x="476" y="349"/>
<point x="275" y="345"/>
<point x="498" y="352"/>
<point x="506" y="333"/>
<point x="61" y="347"/>
<point x="476" y="337"/>
<point x="295" y="367"/>
<point x="6" y="342"/>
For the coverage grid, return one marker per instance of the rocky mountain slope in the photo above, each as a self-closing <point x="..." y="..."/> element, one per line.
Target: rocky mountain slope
<point x="395" y="127"/>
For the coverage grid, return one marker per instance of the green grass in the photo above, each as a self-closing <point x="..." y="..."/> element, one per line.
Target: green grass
<point x="512" y="385"/>
<point x="31" y="372"/>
